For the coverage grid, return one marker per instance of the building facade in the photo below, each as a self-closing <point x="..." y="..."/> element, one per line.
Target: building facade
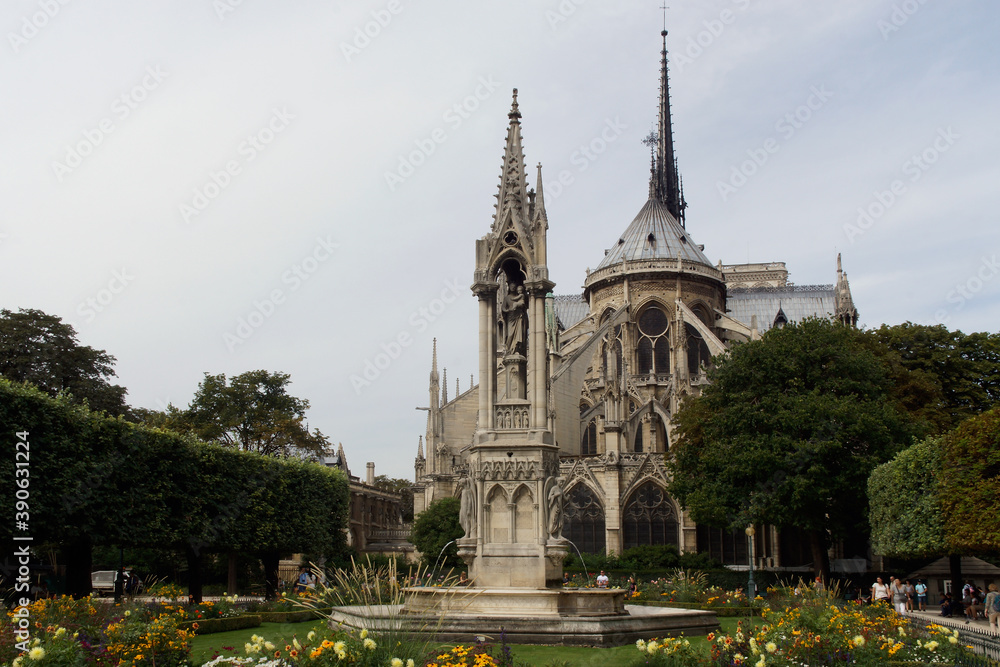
<point x="617" y="361"/>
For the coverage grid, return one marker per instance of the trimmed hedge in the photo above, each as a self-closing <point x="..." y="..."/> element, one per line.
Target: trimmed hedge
<point x="292" y="616"/>
<point x="207" y="626"/>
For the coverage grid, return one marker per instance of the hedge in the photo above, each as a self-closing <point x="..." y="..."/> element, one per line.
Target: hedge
<point x="209" y="626"/>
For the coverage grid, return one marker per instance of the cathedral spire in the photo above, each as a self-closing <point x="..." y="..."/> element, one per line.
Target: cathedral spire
<point x="444" y="388"/>
<point x="420" y="448"/>
<point x="513" y="193"/>
<point x="668" y="189"/>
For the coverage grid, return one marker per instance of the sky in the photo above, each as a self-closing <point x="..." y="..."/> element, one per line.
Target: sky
<point x="230" y="185"/>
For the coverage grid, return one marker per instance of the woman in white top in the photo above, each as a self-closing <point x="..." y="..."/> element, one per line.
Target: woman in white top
<point x="880" y="592"/>
<point x="899" y="596"/>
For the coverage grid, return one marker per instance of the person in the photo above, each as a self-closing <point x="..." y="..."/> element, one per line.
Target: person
<point x="993" y="606"/>
<point x="911" y="594"/>
<point x="602" y="580"/>
<point x="921" y="590"/>
<point x="880" y="592"/>
<point x="898" y="595"/>
<point x="632" y="585"/>
<point x="973" y="605"/>
<point x="303" y="580"/>
<point x="565" y="578"/>
<point x="947" y="605"/>
<point x="818" y="585"/>
<point x="463" y="579"/>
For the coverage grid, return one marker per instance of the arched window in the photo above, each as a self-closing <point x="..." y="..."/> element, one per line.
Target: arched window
<point x="649" y="517"/>
<point x="653" y="348"/>
<point x="697" y="349"/>
<point x="588" y="443"/>
<point x="583" y="520"/>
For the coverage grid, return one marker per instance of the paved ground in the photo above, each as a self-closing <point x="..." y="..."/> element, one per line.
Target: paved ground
<point x="980" y="625"/>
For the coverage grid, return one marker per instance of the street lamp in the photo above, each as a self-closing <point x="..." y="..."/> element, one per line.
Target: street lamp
<point x="751" y="586"/>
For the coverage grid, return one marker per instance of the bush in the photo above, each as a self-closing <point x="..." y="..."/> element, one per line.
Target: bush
<point x="650" y="556"/>
<point x="212" y="625"/>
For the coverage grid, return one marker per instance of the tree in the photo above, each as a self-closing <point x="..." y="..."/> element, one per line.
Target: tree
<point x="963" y="369"/>
<point x="787" y="434"/>
<point x="403" y="487"/>
<point x="434" y="528"/>
<point x="254" y="413"/>
<point x="969" y="485"/>
<point x="43" y="350"/>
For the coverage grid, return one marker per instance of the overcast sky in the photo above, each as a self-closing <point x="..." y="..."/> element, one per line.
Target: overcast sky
<point x="235" y="185"/>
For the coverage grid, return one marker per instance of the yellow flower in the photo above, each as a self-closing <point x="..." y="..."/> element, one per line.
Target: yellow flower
<point x="640" y="644"/>
<point x="338" y="648"/>
<point x="771" y="647"/>
<point x="36" y="653"/>
<point x="370" y="644"/>
<point x="409" y="662"/>
<point x="396" y="662"/>
<point x="364" y="632"/>
<point x="312" y="635"/>
<point x="859" y="640"/>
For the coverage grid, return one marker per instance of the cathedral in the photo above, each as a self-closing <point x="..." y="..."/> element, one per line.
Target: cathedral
<point x="612" y="364"/>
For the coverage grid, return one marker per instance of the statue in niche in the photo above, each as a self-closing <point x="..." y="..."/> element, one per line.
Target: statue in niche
<point x="555" y="506"/>
<point x="514" y="308"/>
<point x="467" y="509"/>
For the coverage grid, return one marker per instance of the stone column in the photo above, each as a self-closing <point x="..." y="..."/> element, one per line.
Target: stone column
<point x="486" y="363"/>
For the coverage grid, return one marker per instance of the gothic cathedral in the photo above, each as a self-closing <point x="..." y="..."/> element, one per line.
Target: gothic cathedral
<point x="597" y="376"/>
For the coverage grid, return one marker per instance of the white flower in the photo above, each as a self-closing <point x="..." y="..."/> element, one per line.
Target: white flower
<point x="312" y="635"/>
<point x="269" y="646"/>
<point x="930" y="646"/>
<point x="771" y="647"/>
<point x="36" y="653"/>
<point x="409" y="662"/>
<point x="760" y="663"/>
<point x="640" y="644"/>
<point x="396" y="662"/>
<point x="295" y="643"/>
<point x="652" y="647"/>
<point x="370" y="644"/>
<point x="860" y="641"/>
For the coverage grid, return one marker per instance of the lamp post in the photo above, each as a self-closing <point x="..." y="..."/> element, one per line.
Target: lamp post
<point x="751" y="586"/>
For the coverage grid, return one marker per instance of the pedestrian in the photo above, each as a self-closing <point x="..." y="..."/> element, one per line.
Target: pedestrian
<point x="947" y="605"/>
<point x="898" y="596"/>
<point x="880" y="592"/>
<point x="921" y="590"/>
<point x="993" y="606"/>
<point x="602" y="580"/>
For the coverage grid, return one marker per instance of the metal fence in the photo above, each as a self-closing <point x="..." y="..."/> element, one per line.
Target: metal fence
<point x="985" y="643"/>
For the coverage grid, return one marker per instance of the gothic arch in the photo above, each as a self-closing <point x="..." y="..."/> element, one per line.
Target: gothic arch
<point x="649" y="516"/>
<point x="583" y="518"/>
<point x="498" y="523"/>
<point x="524" y="518"/>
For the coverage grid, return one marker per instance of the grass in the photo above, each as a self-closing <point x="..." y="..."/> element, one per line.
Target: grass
<point x="206" y="647"/>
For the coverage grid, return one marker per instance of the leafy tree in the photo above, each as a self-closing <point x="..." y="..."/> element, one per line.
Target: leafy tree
<point x="253" y="412"/>
<point x="404" y="488"/>
<point x="43" y="350"/>
<point x="963" y="371"/>
<point x="905" y="514"/>
<point x="969" y="485"/>
<point x="434" y="528"/>
<point x="787" y="434"/>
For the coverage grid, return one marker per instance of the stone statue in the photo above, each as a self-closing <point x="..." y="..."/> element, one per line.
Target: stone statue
<point x="515" y="306"/>
<point x="467" y="509"/>
<point x="555" y="505"/>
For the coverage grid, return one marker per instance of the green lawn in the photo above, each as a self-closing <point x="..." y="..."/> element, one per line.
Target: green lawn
<point x="205" y="647"/>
